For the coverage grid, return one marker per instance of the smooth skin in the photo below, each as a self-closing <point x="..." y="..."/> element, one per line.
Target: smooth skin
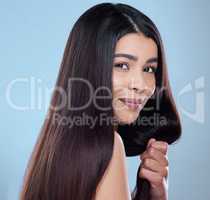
<point x="114" y="184"/>
<point x="133" y="77"/>
<point x="134" y="68"/>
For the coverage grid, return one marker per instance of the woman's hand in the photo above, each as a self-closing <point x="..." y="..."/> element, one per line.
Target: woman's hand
<point x="154" y="168"/>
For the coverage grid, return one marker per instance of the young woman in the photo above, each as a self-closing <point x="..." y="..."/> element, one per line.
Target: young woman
<point x="114" y="74"/>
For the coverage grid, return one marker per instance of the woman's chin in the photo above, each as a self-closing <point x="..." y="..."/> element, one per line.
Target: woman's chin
<point x="126" y="115"/>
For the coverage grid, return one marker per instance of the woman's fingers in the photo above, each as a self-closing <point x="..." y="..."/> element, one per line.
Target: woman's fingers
<point x="154" y="178"/>
<point x="159" y="186"/>
<point x="151" y="140"/>
<point x="155" y="158"/>
<point x="156" y="155"/>
<point x="161" y="146"/>
<point x="155" y="166"/>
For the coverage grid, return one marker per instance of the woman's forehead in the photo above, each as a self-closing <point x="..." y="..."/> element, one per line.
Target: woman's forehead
<point x="137" y="45"/>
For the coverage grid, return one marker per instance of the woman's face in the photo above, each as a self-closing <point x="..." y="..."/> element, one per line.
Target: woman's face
<point x="134" y="66"/>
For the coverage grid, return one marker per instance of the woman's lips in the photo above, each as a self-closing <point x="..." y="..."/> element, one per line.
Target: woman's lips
<point x="132" y="103"/>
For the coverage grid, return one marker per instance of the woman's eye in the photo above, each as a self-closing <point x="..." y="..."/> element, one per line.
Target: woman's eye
<point x="123" y="66"/>
<point x="150" y="69"/>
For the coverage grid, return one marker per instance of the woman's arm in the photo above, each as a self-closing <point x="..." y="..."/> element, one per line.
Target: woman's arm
<point x="114" y="184"/>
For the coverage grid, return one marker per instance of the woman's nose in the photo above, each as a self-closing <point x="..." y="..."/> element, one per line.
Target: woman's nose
<point x="138" y="83"/>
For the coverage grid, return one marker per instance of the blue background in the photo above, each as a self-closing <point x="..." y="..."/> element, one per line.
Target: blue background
<point x="33" y="35"/>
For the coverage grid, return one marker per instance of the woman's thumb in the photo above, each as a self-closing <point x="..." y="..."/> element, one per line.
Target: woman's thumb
<point x="151" y="140"/>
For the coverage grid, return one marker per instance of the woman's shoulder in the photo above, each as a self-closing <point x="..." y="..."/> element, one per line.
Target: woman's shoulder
<point x="114" y="184"/>
<point x="118" y="144"/>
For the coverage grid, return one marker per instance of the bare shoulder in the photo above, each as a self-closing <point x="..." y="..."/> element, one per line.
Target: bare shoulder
<point x="114" y="184"/>
<point x="118" y="143"/>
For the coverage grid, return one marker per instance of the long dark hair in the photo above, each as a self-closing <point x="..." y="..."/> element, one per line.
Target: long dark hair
<point x="68" y="162"/>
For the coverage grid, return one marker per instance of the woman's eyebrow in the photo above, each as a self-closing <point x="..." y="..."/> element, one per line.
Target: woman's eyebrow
<point x="152" y="60"/>
<point x="131" y="57"/>
<point x="135" y="58"/>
